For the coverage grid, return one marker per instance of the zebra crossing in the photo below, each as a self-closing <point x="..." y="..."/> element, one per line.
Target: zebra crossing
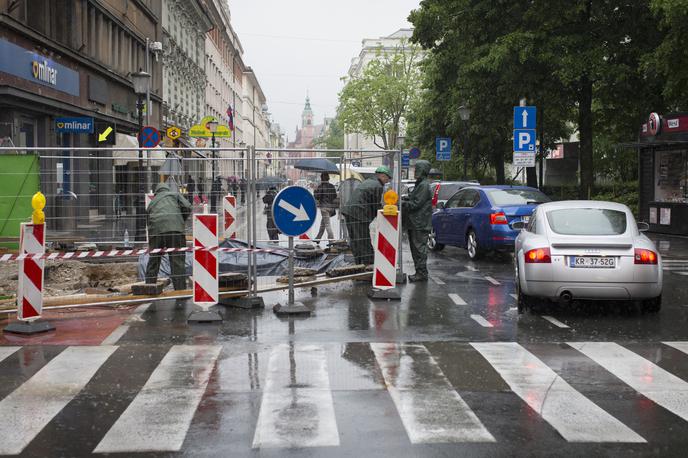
<point x="677" y="266"/>
<point x="296" y="387"/>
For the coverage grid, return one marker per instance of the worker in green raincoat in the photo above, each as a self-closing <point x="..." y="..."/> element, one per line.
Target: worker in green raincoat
<point x="361" y="210"/>
<point x="417" y="214"/>
<point x="167" y="214"/>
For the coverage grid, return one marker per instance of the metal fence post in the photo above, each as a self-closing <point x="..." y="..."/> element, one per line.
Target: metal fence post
<point x="401" y="276"/>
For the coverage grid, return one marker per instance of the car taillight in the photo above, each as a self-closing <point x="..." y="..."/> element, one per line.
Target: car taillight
<point x="538" y="256"/>
<point x="498" y="218"/>
<point x="435" y="195"/>
<point x="645" y="256"/>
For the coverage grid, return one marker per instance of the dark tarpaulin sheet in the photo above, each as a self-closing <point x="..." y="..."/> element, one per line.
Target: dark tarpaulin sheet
<point x="267" y="264"/>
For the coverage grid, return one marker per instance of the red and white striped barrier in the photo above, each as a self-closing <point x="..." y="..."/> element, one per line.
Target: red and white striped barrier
<point x="30" y="285"/>
<point x="385" y="262"/>
<point x="129" y="253"/>
<point x="230" y="216"/>
<point x="205" y="264"/>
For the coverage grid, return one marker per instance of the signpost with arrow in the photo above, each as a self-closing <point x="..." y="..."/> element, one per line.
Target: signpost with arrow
<point x="524" y="136"/>
<point x="105" y="133"/>
<point x="293" y="210"/>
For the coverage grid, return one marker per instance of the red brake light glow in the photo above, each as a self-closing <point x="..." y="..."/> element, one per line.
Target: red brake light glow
<point x="435" y="195"/>
<point x="538" y="256"/>
<point x="498" y="218"/>
<point x="643" y="256"/>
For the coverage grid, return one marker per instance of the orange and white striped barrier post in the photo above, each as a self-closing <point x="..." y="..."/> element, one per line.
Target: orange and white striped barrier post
<point x="386" y="250"/>
<point x="206" y="291"/>
<point x="30" y="276"/>
<point x="230" y="216"/>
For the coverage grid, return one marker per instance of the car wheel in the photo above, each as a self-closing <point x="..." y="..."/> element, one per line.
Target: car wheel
<point x="474" y="251"/>
<point x="653" y="305"/>
<point x="432" y="242"/>
<point x="523" y="302"/>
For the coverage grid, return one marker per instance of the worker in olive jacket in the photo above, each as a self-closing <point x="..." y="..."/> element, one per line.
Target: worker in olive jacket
<point x="167" y="214"/>
<point x="417" y="214"/>
<point x="361" y="210"/>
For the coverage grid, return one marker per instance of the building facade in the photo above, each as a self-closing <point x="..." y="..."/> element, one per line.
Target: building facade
<point x="64" y="78"/>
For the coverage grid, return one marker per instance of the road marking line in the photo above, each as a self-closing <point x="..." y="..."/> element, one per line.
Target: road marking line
<point x="297" y="408"/>
<point x="428" y="405"/>
<point x="514" y="296"/>
<point x="492" y="280"/>
<point x="482" y="321"/>
<point x="29" y="408"/>
<point x="7" y="351"/>
<point x="438" y="281"/>
<point x="642" y="375"/>
<point x="160" y="415"/>
<point x="681" y="273"/>
<point x="573" y="415"/>
<point x="555" y="322"/>
<point x="115" y="335"/>
<point x="457" y="299"/>
<point x="471" y="268"/>
<point x="119" y="331"/>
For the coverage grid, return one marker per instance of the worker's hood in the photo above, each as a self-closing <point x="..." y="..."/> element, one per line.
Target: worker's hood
<point x="422" y="169"/>
<point x="162" y="187"/>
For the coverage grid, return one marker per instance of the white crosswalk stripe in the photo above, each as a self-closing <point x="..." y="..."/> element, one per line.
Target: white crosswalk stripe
<point x="430" y="408"/>
<point x="7" y="351"/>
<point x="159" y="416"/>
<point x="29" y="408"/>
<point x="458" y="300"/>
<point x="575" y="417"/>
<point x="297" y="408"/>
<point x="642" y="375"/>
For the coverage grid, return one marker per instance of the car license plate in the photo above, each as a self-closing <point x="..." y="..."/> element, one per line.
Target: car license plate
<point x="595" y="262"/>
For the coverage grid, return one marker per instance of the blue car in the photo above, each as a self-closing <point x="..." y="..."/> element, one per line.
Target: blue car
<point x="479" y="218"/>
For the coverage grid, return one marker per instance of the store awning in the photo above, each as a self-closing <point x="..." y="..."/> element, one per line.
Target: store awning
<point x="124" y="157"/>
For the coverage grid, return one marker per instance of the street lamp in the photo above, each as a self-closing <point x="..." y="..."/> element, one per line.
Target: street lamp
<point x="465" y="115"/>
<point x="212" y="127"/>
<point x="141" y="82"/>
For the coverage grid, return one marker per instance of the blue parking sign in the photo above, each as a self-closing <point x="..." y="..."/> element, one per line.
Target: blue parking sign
<point x="405" y="160"/>
<point x="524" y="140"/>
<point x="443" y="148"/>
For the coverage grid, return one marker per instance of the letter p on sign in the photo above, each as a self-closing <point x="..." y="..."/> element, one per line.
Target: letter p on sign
<point x="524" y="140"/>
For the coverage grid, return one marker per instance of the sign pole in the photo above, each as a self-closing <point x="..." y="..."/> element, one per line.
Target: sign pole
<point x="291" y="271"/>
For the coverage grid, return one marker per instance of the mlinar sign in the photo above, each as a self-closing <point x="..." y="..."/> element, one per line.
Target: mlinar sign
<point x="42" y="71"/>
<point x="74" y="125"/>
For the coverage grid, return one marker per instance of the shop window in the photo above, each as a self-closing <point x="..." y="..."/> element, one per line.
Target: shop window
<point x="671" y="172"/>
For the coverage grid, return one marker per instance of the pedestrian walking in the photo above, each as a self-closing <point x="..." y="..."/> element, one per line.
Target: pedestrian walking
<point x="326" y="197"/>
<point x="167" y="215"/>
<point x="268" y="199"/>
<point x="361" y="210"/>
<point x="416" y="210"/>
<point x="190" y="187"/>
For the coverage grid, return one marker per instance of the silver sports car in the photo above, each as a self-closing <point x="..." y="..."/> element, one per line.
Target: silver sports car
<point x="586" y="250"/>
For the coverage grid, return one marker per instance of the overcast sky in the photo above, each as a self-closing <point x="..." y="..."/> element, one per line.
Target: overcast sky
<point x="295" y="46"/>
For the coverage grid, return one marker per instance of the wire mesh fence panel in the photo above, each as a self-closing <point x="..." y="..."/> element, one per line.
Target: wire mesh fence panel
<point x="125" y="198"/>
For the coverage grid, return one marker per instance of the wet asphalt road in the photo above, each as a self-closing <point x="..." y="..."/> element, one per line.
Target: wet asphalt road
<point x="450" y="370"/>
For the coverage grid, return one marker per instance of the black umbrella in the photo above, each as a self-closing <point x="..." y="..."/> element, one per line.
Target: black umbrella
<point x="316" y="164"/>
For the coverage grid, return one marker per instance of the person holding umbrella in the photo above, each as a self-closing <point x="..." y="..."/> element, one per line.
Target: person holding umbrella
<point x="326" y="196"/>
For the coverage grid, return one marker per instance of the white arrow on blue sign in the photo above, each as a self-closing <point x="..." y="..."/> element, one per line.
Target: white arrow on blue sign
<point x="294" y="210"/>
<point x="525" y="117"/>
<point x="524" y="140"/>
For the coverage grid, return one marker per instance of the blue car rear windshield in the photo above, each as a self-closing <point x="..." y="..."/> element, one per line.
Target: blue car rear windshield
<point x="587" y="221"/>
<point x="505" y="197"/>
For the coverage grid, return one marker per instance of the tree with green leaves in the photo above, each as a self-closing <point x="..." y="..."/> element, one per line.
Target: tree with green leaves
<point x="375" y="103"/>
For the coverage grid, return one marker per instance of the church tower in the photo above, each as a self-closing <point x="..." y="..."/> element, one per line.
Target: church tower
<point x="307" y="115"/>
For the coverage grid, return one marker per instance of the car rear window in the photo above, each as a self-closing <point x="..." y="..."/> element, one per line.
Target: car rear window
<point x="505" y="197"/>
<point x="587" y="221"/>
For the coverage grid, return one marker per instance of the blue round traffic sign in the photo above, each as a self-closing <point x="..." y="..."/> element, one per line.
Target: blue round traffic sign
<point x="149" y="137"/>
<point x="414" y="153"/>
<point x="294" y="210"/>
